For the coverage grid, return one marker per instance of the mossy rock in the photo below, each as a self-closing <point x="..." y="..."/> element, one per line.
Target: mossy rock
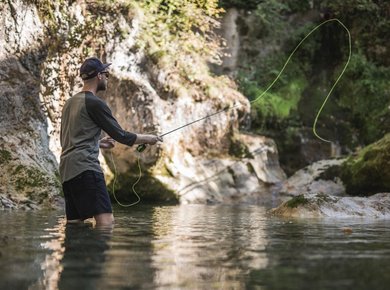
<point x="5" y="156"/>
<point x="149" y="189"/>
<point x="368" y="172"/>
<point x="239" y="149"/>
<point x="297" y="201"/>
<point x="29" y="177"/>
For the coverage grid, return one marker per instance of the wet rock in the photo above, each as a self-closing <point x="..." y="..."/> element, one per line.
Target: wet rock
<point x="323" y="205"/>
<point x="6" y="203"/>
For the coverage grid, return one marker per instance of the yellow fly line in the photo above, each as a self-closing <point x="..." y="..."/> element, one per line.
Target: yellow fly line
<point x="141" y="147"/>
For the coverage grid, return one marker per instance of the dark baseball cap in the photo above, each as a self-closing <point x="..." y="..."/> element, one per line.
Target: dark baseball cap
<point x="91" y="67"/>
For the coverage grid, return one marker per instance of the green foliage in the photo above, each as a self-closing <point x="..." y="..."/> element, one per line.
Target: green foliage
<point x="369" y="22"/>
<point x="240" y="4"/>
<point x="270" y="15"/>
<point x="178" y="26"/>
<point x="365" y="94"/>
<point x="357" y="112"/>
<point x="282" y="103"/>
<point x="292" y="5"/>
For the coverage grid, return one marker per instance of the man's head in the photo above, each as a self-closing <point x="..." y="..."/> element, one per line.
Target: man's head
<point x="94" y="71"/>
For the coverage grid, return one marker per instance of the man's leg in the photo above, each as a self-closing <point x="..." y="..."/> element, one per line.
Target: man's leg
<point x="72" y="215"/>
<point x="104" y="219"/>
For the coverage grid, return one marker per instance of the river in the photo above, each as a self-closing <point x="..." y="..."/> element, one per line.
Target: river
<point x="193" y="247"/>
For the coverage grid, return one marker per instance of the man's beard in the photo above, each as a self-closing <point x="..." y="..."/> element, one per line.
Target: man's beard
<point x="102" y="86"/>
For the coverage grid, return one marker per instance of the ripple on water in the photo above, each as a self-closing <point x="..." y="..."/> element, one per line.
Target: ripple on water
<point x="193" y="247"/>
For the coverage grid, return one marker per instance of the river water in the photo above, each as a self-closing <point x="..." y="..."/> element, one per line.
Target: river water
<point x="193" y="247"/>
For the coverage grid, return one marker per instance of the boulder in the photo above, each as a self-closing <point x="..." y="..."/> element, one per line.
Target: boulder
<point x="322" y="205"/>
<point x="368" y="172"/>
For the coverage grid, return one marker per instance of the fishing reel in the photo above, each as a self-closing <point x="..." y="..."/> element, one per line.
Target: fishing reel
<point x="141" y="148"/>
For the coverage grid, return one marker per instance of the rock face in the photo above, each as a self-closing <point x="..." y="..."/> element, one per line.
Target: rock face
<point x="38" y="70"/>
<point x="28" y="169"/>
<point x="228" y="180"/>
<point x="322" y="205"/>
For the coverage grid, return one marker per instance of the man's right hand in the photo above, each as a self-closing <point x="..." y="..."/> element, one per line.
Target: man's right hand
<point x="148" y="139"/>
<point x="154" y="139"/>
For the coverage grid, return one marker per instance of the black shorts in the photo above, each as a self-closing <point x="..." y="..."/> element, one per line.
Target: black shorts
<point x="86" y="196"/>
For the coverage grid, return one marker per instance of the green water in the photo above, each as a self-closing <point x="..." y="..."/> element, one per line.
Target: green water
<point x="193" y="247"/>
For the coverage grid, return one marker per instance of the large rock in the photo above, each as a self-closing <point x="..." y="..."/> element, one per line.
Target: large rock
<point x="369" y="171"/>
<point x="323" y="205"/>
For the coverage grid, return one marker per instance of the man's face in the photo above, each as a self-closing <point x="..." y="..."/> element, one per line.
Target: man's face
<point x="102" y="81"/>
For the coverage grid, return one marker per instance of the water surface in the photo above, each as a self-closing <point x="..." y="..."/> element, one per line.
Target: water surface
<point x="193" y="247"/>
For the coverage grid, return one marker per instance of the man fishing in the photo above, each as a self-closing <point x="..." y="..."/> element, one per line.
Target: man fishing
<point x="84" y="116"/>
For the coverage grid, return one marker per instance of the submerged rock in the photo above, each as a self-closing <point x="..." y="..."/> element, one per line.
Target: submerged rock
<point x="323" y="205"/>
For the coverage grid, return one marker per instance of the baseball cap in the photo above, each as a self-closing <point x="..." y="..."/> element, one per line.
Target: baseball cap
<point x="91" y="67"/>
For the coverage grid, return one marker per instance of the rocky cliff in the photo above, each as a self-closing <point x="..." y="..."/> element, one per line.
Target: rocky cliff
<point x="41" y="49"/>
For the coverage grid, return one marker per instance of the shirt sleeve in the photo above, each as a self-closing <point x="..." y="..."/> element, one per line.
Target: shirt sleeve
<point x="101" y="114"/>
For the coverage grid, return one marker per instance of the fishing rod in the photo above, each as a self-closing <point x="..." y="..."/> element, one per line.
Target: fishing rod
<point x="140" y="148"/>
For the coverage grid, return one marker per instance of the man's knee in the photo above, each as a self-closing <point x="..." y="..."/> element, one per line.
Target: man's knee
<point x="104" y="219"/>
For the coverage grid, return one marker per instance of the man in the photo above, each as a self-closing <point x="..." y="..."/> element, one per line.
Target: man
<point x="84" y="116"/>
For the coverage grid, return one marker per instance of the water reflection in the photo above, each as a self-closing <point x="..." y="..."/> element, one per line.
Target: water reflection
<point x="51" y="266"/>
<point x="192" y="247"/>
<point x="84" y="256"/>
<point x="207" y="247"/>
<point x="77" y="258"/>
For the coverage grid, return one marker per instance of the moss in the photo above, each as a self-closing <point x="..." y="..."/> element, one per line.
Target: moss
<point x="330" y="173"/>
<point x="157" y="56"/>
<point x="5" y="156"/>
<point x="239" y="149"/>
<point x="323" y="198"/>
<point x="25" y="177"/>
<point x="165" y="171"/>
<point x="148" y="188"/>
<point x="297" y="201"/>
<point x="368" y="172"/>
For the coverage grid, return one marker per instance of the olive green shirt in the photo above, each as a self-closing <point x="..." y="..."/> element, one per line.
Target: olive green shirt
<point x="84" y="116"/>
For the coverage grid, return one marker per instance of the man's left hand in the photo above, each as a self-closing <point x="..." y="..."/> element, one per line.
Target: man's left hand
<point x="106" y="143"/>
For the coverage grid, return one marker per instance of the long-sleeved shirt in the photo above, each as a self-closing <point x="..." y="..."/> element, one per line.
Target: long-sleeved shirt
<point x="83" y="117"/>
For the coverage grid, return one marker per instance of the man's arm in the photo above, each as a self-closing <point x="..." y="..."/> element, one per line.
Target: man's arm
<point x="101" y="114"/>
<point x="147" y="139"/>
